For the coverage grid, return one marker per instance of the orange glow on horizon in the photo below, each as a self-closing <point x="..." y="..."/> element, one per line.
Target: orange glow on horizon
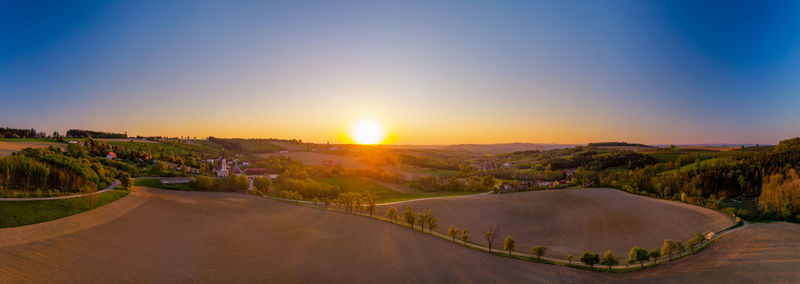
<point x="367" y="132"/>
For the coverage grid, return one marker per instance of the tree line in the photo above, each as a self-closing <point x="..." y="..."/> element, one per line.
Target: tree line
<point x="79" y="133"/>
<point x="49" y="172"/>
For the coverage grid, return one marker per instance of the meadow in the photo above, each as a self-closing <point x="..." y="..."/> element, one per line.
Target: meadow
<point x="385" y="193"/>
<point x="20" y="213"/>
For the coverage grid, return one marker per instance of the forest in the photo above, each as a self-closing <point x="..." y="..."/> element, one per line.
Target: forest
<point x="51" y="172"/>
<point x="78" y="133"/>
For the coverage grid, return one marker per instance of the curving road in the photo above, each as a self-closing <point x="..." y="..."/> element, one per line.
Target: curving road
<point x="171" y="236"/>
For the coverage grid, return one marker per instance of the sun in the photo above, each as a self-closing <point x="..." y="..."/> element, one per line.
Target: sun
<point x="367" y="132"/>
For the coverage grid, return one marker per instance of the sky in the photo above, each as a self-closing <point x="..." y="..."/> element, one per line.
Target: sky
<point x="429" y="72"/>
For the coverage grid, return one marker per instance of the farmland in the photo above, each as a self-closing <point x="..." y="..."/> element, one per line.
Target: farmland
<point x="575" y="220"/>
<point x="314" y="158"/>
<point x="8" y="146"/>
<point x="385" y="191"/>
<point x="19" y="213"/>
<point x="761" y="253"/>
<point x="164" y="236"/>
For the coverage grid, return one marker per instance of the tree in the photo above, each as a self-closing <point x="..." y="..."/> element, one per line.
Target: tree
<point x="370" y="199"/>
<point x="509" y="244"/>
<point x="262" y="184"/>
<point x="609" y="259"/>
<point x="327" y="202"/>
<point x="409" y="216"/>
<point x="315" y="201"/>
<point x="488" y="182"/>
<point x="638" y="254"/>
<point x="422" y="219"/>
<point x="679" y="247"/>
<point x="391" y="213"/>
<point x="465" y="236"/>
<point x="654" y="254"/>
<point x="491" y="234"/>
<point x="697" y="240"/>
<point x="668" y="248"/>
<point x="452" y="231"/>
<point x="126" y="180"/>
<point x="539" y="251"/>
<point x="433" y="224"/>
<point x="589" y="259"/>
<point x="569" y="258"/>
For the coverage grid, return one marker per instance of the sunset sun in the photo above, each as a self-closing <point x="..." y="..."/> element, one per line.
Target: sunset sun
<point x="367" y="132"/>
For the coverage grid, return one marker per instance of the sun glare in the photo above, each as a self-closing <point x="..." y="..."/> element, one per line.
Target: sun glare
<point x="367" y="132"/>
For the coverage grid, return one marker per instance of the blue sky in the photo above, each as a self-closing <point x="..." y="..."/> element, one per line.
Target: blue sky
<point x="429" y="71"/>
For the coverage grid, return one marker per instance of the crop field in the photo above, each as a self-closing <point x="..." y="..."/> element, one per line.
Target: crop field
<point x="8" y="147"/>
<point x="574" y="220"/>
<point x="385" y="191"/>
<point x="412" y="172"/>
<point x="164" y="236"/>
<point x="314" y="158"/>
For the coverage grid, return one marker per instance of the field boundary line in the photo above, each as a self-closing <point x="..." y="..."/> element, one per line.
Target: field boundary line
<point x="110" y="187"/>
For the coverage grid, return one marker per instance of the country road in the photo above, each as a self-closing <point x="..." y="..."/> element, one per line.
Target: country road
<point x="110" y="187"/>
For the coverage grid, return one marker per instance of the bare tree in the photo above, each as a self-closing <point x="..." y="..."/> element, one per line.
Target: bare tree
<point x="422" y="219"/>
<point x="409" y="216"/>
<point x="433" y="224"/>
<point x="491" y="235"/>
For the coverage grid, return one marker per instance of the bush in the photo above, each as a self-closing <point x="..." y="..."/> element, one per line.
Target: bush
<point x="202" y="183"/>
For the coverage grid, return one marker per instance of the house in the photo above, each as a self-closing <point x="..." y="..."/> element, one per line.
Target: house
<point x="72" y="142"/>
<point x="111" y="155"/>
<point x="252" y="173"/>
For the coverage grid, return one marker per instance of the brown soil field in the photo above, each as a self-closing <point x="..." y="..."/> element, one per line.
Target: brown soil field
<point x="171" y="236"/>
<point x="760" y="253"/>
<point x="314" y="158"/>
<point x="573" y="220"/>
<point x="6" y="148"/>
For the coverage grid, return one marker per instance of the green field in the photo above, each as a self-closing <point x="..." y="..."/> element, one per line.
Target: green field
<point x="385" y="194"/>
<point x="20" y="213"/>
<point x="28" y="140"/>
<point x="703" y="164"/>
<point x="670" y="155"/>
<point x="153" y="148"/>
<point x="156" y="183"/>
<point x="427" y="171"/>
